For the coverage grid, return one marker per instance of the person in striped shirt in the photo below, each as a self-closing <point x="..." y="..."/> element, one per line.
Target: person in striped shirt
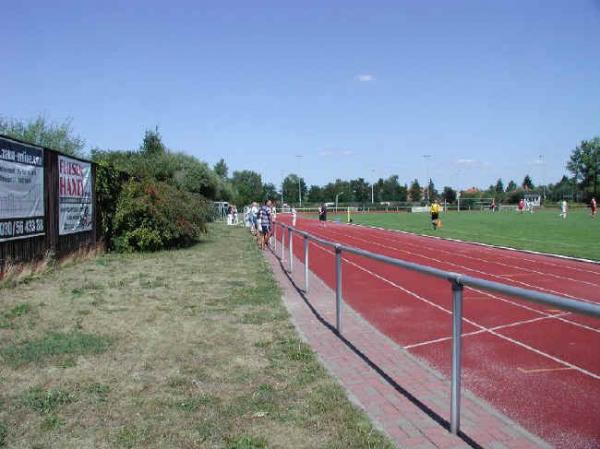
<point x="265" y="223"/>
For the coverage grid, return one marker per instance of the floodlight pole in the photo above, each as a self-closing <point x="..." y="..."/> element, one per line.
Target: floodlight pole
<point x="427" y="157"/>
<point x="299" y="156"/>
<point x="336" y="200"/>
<point x="372" y="185"/>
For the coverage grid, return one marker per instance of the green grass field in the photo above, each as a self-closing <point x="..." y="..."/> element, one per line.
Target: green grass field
<point x="190" y="348"/>
<point x="542" y="231"/>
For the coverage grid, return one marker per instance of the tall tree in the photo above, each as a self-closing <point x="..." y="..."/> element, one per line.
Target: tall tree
<point x="152" y="144"/>
<point x="499" y="186"/>
<point x="449" y="194"/>
<point x="511" y="186"/>
<point x="40" y="131"/>
<point x="292" y="186"/>
<point x="361" y="190"/>
<point x="315" y="194"/>
<point x="527" y="183"/>
<point x="248" y="185"/>
<point x="584" y="165"/>
<point x="431" y="193"/>
<point x="392" y="190"/>
<point x="221" y="169"/>
<point x="270" y="192"/>
<point x="414" y="192"/>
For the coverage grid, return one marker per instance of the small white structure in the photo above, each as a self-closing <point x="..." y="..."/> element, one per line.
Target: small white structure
<point x="533" y="199"/>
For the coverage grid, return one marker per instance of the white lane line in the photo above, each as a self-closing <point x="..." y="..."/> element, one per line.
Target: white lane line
<point x="530" y="286"/>
<point x="481" y="331"/>
<point x="483" y="328"/>
<point x="490" y="247"/>
<point x="508" y="301"/>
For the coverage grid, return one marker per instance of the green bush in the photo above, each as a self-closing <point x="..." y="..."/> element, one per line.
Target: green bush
<point x="151" y="216"/>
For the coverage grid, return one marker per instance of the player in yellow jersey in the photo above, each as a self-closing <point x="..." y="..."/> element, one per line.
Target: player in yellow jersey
<point x="435" y="215"/>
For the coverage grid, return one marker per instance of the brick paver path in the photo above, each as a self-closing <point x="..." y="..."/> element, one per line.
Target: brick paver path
<point x="404" y="397"/>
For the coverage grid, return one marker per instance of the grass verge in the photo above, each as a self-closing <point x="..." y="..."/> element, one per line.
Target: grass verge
<point x="190" y="349"/>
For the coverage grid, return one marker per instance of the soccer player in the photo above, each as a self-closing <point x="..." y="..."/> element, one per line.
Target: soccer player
<point x="521" y="205"/>
<point x="563" y="209"/>
<point x="594" y="207"/>
<point x="435" y="214"/>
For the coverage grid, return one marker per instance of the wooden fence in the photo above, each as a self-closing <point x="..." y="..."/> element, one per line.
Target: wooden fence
<point x="51" y="242"/>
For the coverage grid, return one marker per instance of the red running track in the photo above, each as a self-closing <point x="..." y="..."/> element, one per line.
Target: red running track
<point x="539" y="366"/>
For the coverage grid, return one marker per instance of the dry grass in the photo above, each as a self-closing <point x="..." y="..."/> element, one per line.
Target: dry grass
<point x="177" y="349"/>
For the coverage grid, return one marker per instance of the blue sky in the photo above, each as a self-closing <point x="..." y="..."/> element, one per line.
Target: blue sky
<point x="356" y="88"/>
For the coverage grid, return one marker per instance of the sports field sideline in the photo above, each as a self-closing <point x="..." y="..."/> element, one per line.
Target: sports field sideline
<point x="542" y="231"/>
<point x="538" y="366"/>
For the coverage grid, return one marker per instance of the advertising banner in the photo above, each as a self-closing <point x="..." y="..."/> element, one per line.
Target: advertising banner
<point x="21" y="190"/>
<point x="74" y="196"/>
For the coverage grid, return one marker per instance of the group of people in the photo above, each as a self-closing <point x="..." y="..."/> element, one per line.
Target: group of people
<point x="564" y="208"/>
<point x="261" y="220"/>
<point x="232" y="215"/>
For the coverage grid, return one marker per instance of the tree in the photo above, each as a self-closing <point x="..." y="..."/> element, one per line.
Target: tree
<point x="315" y="194"/>
<point x="414" y="192"/>
<point x="152" y="144"/>
<point x="449" y="194"/>
<point x="269" y="192"/>
<point x="392" y="190"/>
<point x="291" y="185"/>
<point x="431" y="193"/>
<point x="584" y="165"/>
<point x="511" y="187"/>
<point x="361" y="190"/>
<point x="39" y="131"/>
<point x="221" y="169"/>
<point x="248" y="186"/>
<point x="499" y="186"/>
<point x="527" y="183"/>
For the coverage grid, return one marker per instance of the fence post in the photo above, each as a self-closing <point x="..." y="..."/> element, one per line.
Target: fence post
<point x="282" y="244"/>
<point x="291" y="247"/>
<point x="338" y="288"/>
<point x="305" y="264"/>
<point x="457" y="298"/>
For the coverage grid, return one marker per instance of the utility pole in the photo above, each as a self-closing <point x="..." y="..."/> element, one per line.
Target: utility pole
<point x="372" y="185"/>
<point x="427" y="157"/>
<point x="299" y="156"/>
<point x="336" y="201"/>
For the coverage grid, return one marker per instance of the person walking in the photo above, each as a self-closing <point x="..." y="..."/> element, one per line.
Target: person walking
<point x="265" y="223"/>
<point x="323" y="214"/>
<point x="594" y="207"/>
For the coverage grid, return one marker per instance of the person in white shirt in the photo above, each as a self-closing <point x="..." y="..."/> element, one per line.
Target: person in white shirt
<point x="563" y="209"/>
<point x="294" y="213"/>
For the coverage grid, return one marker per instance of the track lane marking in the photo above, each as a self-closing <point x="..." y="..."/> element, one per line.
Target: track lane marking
<point x="468" y="256"/>
<point x="482" y="328"/>
<point x="542" y="370"/>
<point x="530" y="286"/>
<point x="491" y="248"/>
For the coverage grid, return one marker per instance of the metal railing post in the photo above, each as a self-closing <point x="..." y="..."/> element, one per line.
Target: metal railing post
<point x="291" y="247"/>
<point x="282" y="244"/>
<point x="338" y="288"/>
<point x="305" y="264"/>
<point x="457" y="299"/>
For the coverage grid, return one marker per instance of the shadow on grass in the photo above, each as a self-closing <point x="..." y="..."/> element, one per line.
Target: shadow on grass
<point x="413" y="399"/>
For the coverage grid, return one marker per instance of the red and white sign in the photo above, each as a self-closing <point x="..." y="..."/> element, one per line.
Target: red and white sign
<point x="75" y="200"/>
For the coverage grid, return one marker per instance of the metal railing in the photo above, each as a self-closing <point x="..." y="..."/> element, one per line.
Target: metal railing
<point x="457" y="281"/>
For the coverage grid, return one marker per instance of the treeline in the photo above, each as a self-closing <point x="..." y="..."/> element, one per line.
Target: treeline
<point x="150" y="198"/>
<point x="583" y="165"/>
